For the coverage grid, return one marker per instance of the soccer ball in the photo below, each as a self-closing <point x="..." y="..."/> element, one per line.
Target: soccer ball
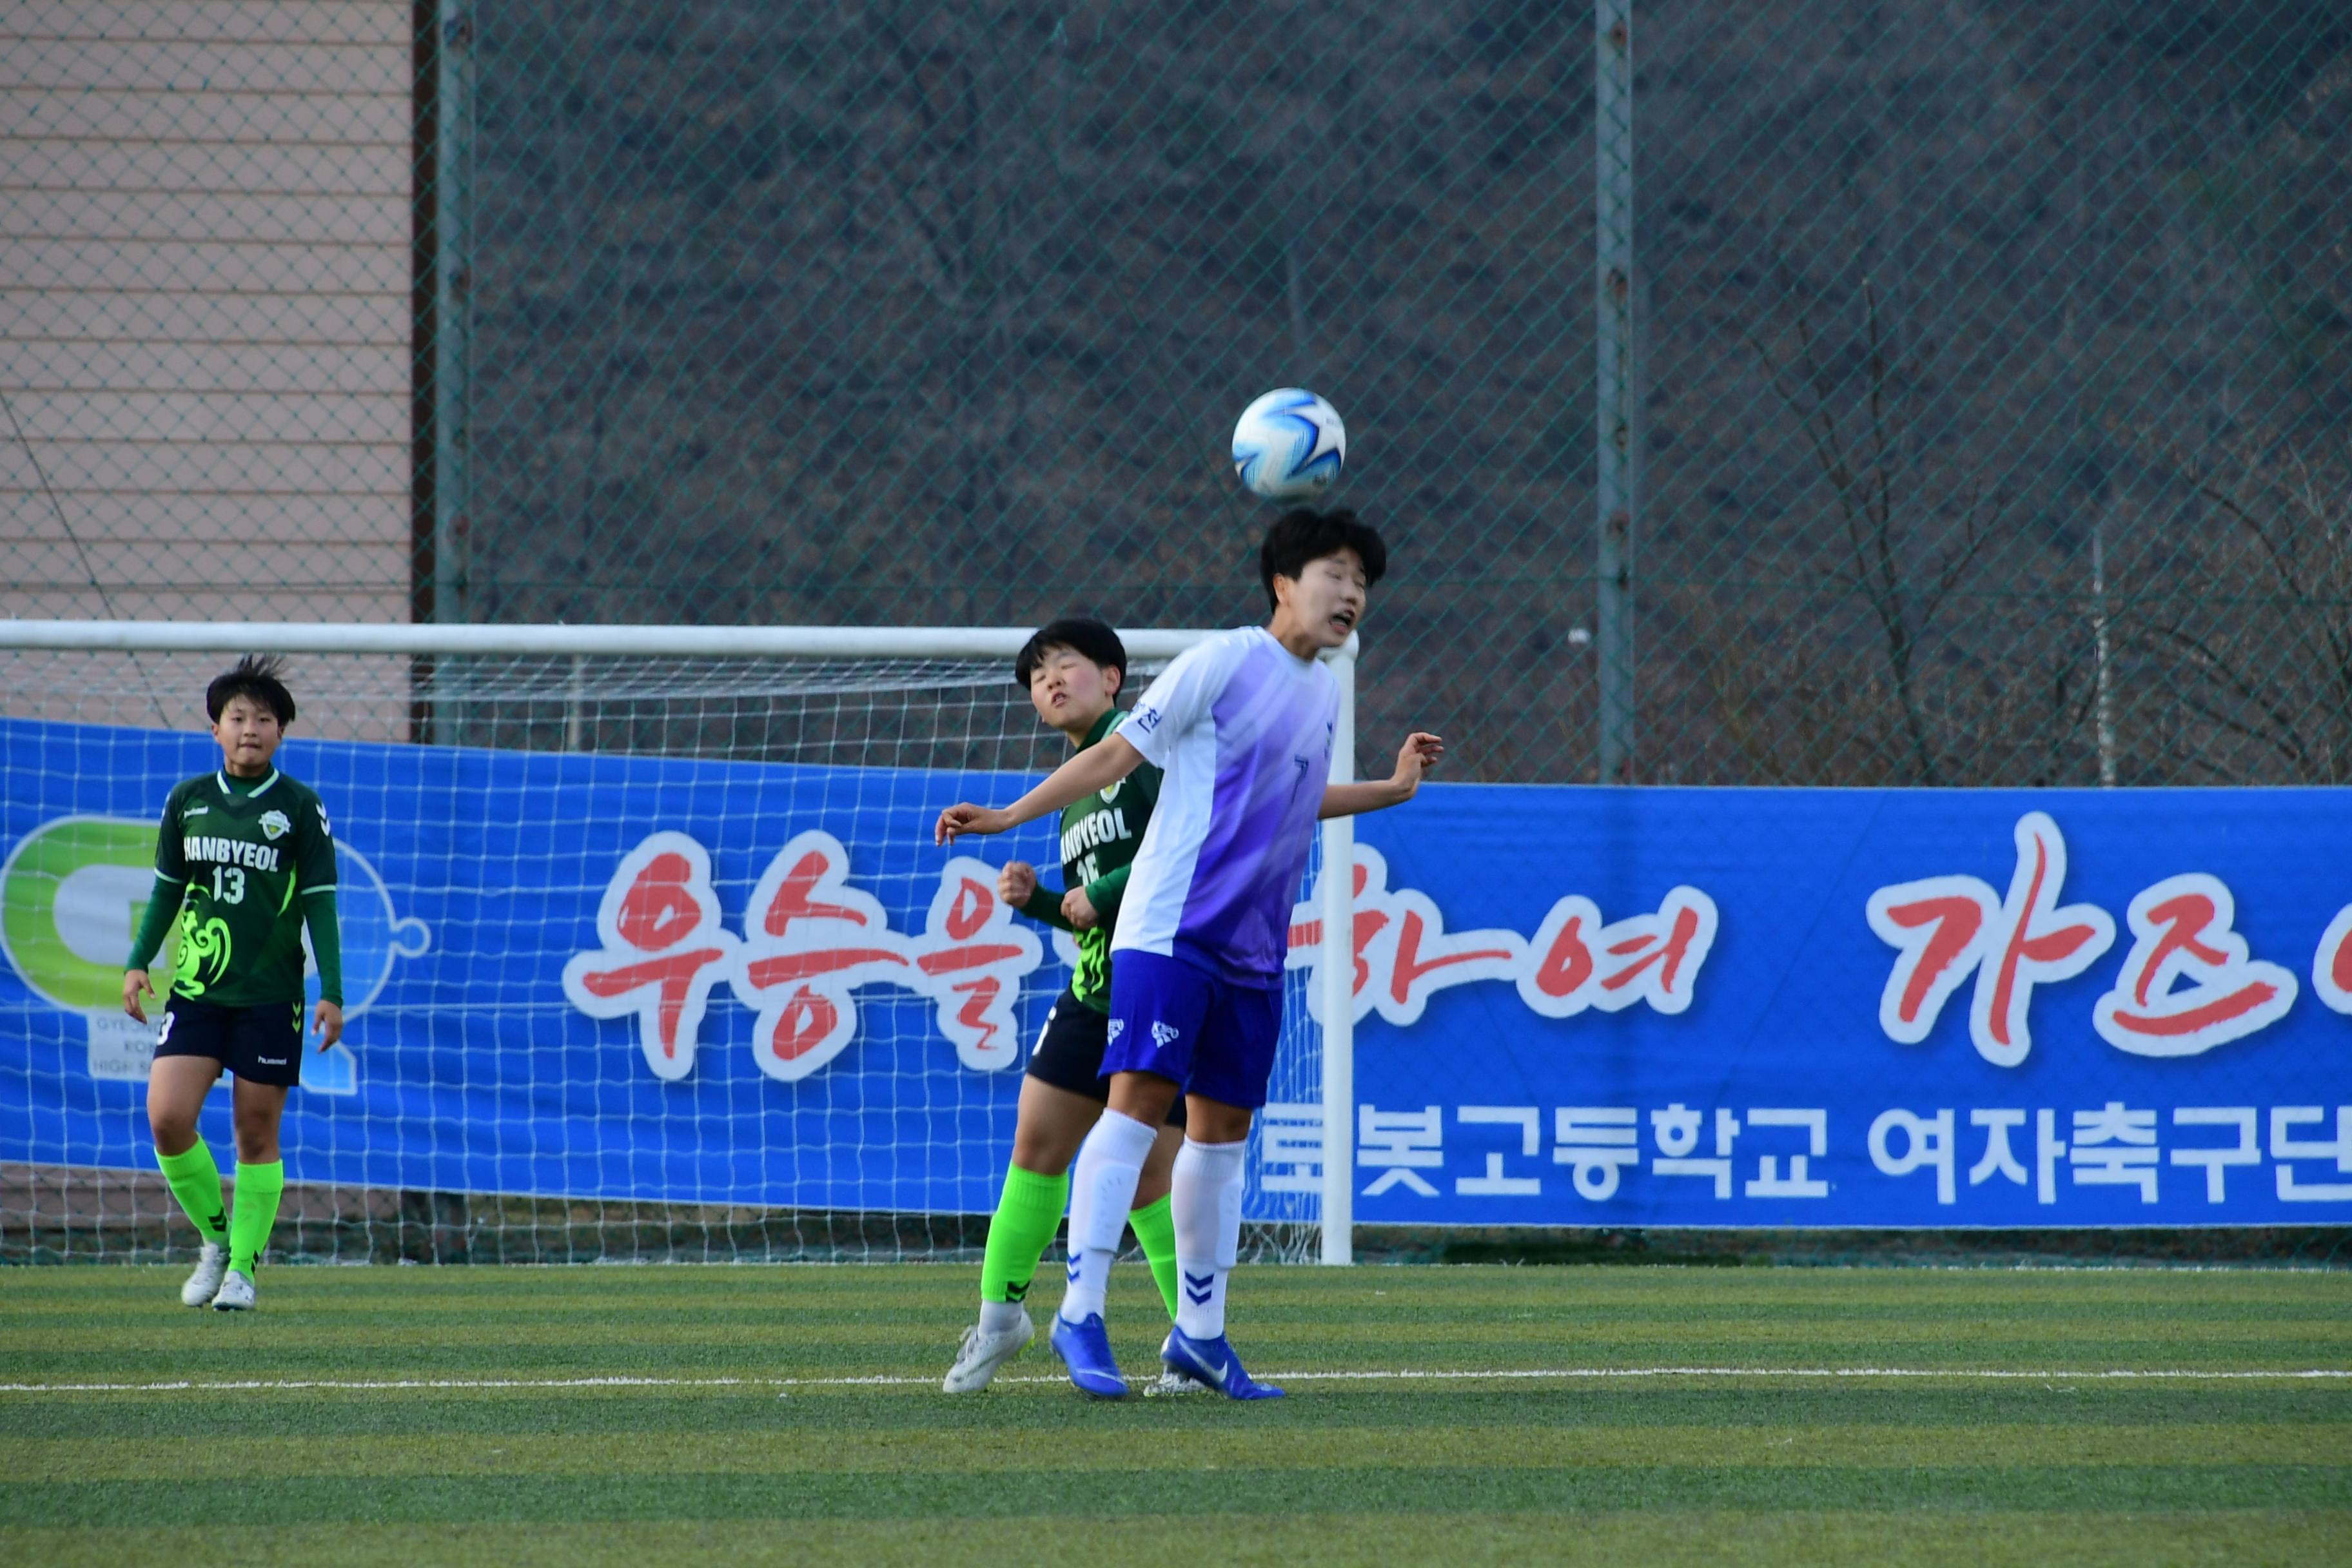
<point x="1289" y="446"/>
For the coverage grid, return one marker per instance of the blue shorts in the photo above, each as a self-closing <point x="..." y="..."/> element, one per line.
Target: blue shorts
<point x="1211" y="1037"/>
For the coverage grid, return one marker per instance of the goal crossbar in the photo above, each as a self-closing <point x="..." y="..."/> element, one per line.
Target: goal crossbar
<point x="557" y="641"/>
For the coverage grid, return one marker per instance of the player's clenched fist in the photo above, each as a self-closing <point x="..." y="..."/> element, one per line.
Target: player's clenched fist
<point x="965" y="817"/>
<point x="1016" y="883"/>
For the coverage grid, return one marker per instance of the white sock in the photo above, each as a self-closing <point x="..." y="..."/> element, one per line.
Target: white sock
<point x="1102" y="1189"/>
<point x="1206" y="1189"/>
<point x="998" y="1317"/>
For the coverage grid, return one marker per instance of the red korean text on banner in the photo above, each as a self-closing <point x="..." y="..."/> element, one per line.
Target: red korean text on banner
<point x="662" y="950"/>
<point x="2331" y="967"/>
<point x="1947" y="928"/>
<point x="810" y="941"/>
<point x="1405" y="954"/>
<point x="972" y="959"/>
<point x="2189" y="983"/>
<point x="815" y="940"/>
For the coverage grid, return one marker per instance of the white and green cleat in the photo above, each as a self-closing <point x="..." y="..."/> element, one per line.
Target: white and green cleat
<point x="236" y="1293"/>
<point x="1172" y="1384"/>
<point x="984" y="1353"/>
<point x="205" y="1282"/>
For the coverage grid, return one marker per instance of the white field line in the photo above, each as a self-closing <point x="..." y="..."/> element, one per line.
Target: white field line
<point x="1527" y="1375"/>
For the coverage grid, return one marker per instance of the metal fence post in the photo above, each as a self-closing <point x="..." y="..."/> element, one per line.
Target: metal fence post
<point x="2102" y="651"/>
<point x="453" y="346"/>
<point x="453" y="341"/>
<point x="1614" y="381"/>
<point x="448" y="1225"/>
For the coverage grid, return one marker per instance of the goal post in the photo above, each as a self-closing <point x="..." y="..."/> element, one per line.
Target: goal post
<point x="520" y="1088"/>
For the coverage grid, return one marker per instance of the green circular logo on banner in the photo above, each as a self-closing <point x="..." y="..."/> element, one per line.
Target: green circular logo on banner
<point x="71" y="897"/>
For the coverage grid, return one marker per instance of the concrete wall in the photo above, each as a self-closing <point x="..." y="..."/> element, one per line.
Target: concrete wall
<point x="204" y="234"/>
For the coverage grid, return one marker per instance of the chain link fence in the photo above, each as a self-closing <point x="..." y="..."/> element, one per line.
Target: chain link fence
<point x="1854" y="392"/>
<point x="1982" y="384"/>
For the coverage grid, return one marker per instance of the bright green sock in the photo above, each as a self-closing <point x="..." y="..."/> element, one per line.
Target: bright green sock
<point x="196" y="1182"/>
<point x="258" y="1191"/>
<point x="1026" y="1217"/>
<point x="1155" y="1227"/>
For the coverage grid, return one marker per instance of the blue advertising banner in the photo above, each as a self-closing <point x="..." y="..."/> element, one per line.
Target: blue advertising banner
<point x="1855" y="1007"/>
<point x="679" y="981"/>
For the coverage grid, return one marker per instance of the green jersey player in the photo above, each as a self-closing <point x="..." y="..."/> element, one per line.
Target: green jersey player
<point x="244" y="860"/>
<point x="1073" y="670"/>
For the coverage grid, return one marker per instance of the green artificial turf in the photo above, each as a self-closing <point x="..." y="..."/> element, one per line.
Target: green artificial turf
<point x="781" y="1413"/>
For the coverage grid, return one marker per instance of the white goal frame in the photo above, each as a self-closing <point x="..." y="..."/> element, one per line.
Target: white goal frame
<point x="1336" y="904"/>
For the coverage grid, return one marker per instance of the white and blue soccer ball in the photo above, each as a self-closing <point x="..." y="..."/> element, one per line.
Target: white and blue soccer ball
<point x="1289" y="446"/>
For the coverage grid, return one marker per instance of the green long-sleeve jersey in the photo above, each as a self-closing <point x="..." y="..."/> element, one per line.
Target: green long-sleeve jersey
<point x="1100" y="833"/>
<point x="252" y="860"/>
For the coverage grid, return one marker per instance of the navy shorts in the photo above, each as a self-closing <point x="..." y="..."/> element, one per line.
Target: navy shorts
<point x="1069" y="1053"/>
<point x="262" y="1044"/>
<point x="1211" y="1037"/>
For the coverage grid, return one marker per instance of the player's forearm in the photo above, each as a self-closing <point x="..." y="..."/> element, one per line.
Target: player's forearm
<point x="1355" y="799"/>
<point x="1106" y="891"/>
<point x="163" y="905"/>
<point x="326" y="942"/>
<point x="1097" y="767"/>
<point x="1047" y="906"/>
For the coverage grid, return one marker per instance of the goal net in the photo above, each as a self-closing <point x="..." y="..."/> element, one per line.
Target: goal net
<point x="647" y="953"/>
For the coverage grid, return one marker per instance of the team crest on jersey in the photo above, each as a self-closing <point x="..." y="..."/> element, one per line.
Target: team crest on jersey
<point x="1110" y="792"/>
<point x="276" y="824"/>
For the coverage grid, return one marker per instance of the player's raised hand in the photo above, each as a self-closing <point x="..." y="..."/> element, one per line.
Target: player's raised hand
<point x="1079" y="910"/>
<point x="327" y="1023"/>
<point x="965" y="817"/>
<point x="1016" y="883"/>
<point x="1420" y="753"/>
<point x="134" y="981"/>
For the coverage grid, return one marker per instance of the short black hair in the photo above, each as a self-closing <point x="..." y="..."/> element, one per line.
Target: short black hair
<point x="1082" y="635"/>
<point x="1302" y="535"/>
<point x="258" y="676"/>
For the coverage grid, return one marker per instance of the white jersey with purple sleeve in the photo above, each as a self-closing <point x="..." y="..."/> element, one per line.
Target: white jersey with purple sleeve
<point x="1241" y="729"/>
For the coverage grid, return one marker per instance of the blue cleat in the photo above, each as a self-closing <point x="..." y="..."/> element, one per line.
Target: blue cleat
<point x="1084" y="1349"/>
<point x="1213" y="1363"/>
